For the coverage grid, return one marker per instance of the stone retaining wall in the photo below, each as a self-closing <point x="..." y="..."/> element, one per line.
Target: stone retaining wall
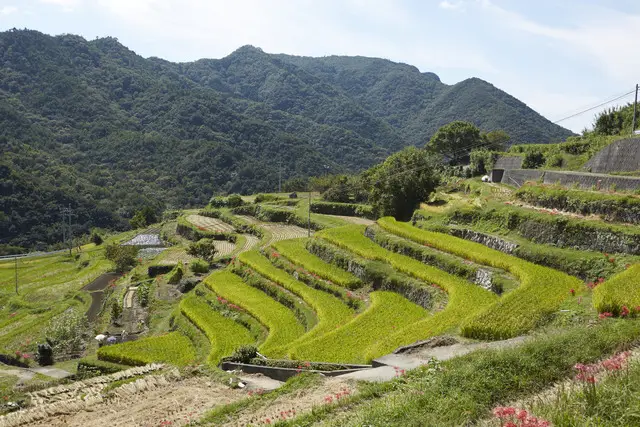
<point x="619" y="156"/>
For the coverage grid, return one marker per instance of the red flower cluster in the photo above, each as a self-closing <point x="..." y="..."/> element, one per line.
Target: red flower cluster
<point x="339" y="395"/>
<point x="572" y="292"/>
<point x="517" y="417"/>
<point x="399" y="372"/>
<point x="595" y="283"/>
<point x="610" y="259"/>
<point x="222" y="300"/>
<point x="586" y="373"/>
<point x="605" y="315"/>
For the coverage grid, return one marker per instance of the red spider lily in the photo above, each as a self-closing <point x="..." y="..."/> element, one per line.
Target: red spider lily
<point x="517" y="418"/>
<point x="328" y="399"/>
<point x="605" y="315"/>
<point x="572" y="292"/>
<point x="624" y="312"/>
<point x="606" y="255"/>
<point x="612" y="260"/>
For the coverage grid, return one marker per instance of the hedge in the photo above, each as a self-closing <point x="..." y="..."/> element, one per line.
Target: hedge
<point x="387" y="313"/>
<point x="224" y="334"/>
<point x="331" y="312"/>
<point x="610" y="207"/>
<point x="173" y="348"/>
<point x="541" y="292"/>
<point x="465" y="299"/>
<point x="192" y="232"/>
<point x="281" y="322"/>
<point x="622" y="290"/>
<point x="176" y="274"/>
<point x="270" y="214"/>
<point x="344" y="209"/>
<point x="295" y="251"/>
<point x="156" y="270"/>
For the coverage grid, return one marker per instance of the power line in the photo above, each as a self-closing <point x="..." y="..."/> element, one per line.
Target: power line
<point x="594" y="107"/>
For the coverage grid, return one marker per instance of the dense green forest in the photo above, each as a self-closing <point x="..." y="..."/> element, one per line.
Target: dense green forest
<point x="93" y="125"/>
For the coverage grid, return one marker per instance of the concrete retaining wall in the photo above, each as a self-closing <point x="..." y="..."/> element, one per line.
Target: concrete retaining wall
<point x="508" y="162"/>
<point x="584" y="180"/>
<point x="620" y="156"/>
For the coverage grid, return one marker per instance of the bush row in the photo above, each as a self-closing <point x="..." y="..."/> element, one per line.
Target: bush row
<point x="281" y="322"/>
<point x="295" y="251"/>
<point x="239" y="225"/>
<point x="553" y="229"/>
<point x="622" y="290"/>
<point x="224" y="334"/>
<point x="380" y="275"/>
<point x="465" y="299"/>
<point x="331" y="311"/>
<point x="387" y="313"/>
<point x="192" y="232"/>
<point x="540" y="293"/>
<point x="172" y="348"/>
<point x="345" y="209"/>
<point x="610" y="207"/>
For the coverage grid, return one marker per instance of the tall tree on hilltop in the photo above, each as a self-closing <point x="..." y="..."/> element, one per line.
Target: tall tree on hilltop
<point x="455" y="141"/>
<point x="403" y="181"/>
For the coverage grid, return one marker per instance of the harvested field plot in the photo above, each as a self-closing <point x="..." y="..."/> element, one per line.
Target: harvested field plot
<point x="283" y="232"/>
<point x="210" y="224"/>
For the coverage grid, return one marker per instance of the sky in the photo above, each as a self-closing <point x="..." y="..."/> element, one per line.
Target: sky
<point x="558" y="57"/>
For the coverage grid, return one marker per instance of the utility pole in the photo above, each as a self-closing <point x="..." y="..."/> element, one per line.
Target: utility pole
<point x="70" y="232"/>
<point x="635" y="105"/>
<point x="16" y="263"/>
<point x="67" y="237"/>
<point x="309" y="223"/>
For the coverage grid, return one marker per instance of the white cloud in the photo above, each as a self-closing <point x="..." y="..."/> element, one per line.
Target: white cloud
<point x="67" y="5"/>
<point x="457" y="6"/>
<point x="305" y="27"/>
<point x="8" y="10"/>
<point x="606" y="35"/>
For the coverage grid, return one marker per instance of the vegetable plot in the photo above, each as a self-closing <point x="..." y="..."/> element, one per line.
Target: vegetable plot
<point x="296" y="252"/>
<point x="224" y="334"/>
<point x="541" y="292"/>
<point x="282" y="324"/>
<point x="172" y="348"/>
<point x="388" y="313"/>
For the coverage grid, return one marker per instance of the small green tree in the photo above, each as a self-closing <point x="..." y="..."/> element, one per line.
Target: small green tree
<point x="116" y="310"/>
<point x="144" y="217"/>
<point x="455" y="141"/>
<point x="67" y="332"/>
<point x="234" y="201"/>
<point x="124" y="257"/>
<point x="339" y="192"/>
<point x="403" y="181"/>
<point x="95" y="238"/>
<point x="203" y="248"/>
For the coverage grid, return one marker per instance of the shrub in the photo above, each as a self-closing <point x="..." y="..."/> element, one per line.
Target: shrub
<point x="124" y="257"/>
<point x="244" y="354"/>
<point x="203" y="248"/>
<point x="199" y="266"/>
<point x="67" y="332"/>
<point x="345" y="209"/>
<point x="175" y="275"/>
<point x="95" y="238"/>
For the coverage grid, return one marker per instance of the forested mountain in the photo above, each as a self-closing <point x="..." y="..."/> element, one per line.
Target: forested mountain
<point x="93" y="125"/>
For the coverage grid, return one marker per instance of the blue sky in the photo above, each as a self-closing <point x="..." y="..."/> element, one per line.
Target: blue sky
<point x="559" y="57"/>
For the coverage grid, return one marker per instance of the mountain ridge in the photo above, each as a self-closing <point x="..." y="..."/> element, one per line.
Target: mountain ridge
<point x="108" y="131"/>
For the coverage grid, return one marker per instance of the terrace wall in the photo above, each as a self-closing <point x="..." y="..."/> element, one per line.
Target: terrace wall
<point x="582" y="180"/>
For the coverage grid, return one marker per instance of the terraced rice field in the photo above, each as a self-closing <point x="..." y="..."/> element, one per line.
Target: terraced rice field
<point x="251" y="242"/>
<point x="353" y="219"/>
<point x="210" y="224"/>
<point x="540" y="293"/>
<point x="224" y="247"/>
<point x="283" y="232"/>
<point x="282" y="324"/>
